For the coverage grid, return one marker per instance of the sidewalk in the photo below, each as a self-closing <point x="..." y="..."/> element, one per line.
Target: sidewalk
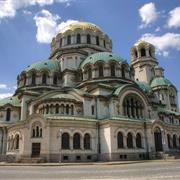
<point x="87" y="163"/>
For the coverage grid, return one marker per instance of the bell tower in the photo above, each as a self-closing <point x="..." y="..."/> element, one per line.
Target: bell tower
<point x="143" y="61"/>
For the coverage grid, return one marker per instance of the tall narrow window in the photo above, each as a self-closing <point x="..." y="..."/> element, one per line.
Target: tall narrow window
<point x="104" y="43"/>
<point x="169" y="141"/>
<point x="89" y="72"/>
<point x="69" y="40"/>
<point x="33" y="79"/>
<point x="57" y="109"/>
<point x="67" y="109"/>
<point x="88" y="39"/>
<point x="65" y="141"/>
<point x="44" y="78"/>
<point x="123" y="71"/>
<point x="113" y="70"/>
<point x="76" y="141"/>
<point x="97" y="40"/>
<point x="55" y="79"/>
<point x="138" y="141"/>
<point x="47" y="109"/>
<point x="143" y="52"/>
<point x="120" y="142"/>
<point x="72" y="110"/>
<point x="60" y="43"/>
<point x="78" y="40"/>
<point x="101" y="72"/>
<point x="174" y="141"/>
<point x="8" y="114"/>
<point x="92" y="110"/>
<point x="17" y="142"/>
<point x="24" y="83"/>
<point x="129" y="140"/>
<point x="87" y="141"/>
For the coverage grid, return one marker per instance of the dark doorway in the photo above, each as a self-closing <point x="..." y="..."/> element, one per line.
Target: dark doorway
<point x="158" y="140"/>
<point x="36" y="148"/>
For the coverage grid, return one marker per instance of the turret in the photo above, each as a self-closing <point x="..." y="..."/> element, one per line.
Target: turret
<point x="143" y="61"/>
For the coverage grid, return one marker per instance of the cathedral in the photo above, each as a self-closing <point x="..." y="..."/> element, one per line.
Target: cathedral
<point x="85" y="103"/>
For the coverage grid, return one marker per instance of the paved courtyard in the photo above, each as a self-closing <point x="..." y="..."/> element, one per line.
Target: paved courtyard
<point x="140" y="171"/>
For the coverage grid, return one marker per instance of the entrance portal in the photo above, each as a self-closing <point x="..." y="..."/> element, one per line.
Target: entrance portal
<point x="36" y="149"/>
<point x="158" y="140"/>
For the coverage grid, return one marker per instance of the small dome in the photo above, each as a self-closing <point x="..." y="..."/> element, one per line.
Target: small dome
<point x="160" y="81"/>
<point x="81" y="25"/>
<point x="13" y="101"/>
<point x="50" y="65"/>
<point x="142" y="43"/>
<point x="101" y="56"/>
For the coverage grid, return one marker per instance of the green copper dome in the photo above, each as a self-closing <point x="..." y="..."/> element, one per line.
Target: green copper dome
<point x="49" y="65"/>
<point x="160" y="81"/>
<point x="101" y="56"/>
<point x="144" y="86"/>
<point x="13" y="101"/>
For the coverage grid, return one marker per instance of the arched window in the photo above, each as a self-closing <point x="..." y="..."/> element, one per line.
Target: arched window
<point x="40" y="134"/>
<point x="76" y="141"/>
<point x="37" y="131"/>
<point x="67" y="109"/>
<point x="33" y="79"/>
<point x="101" y="71"/>
<point x="104" y="43"/>
<point x="78" y="40"/>
<point x="89" y="72"/>
<point x="44" y="78"/>
<point x="17" y="142"/>
<point x="143" y="52"/>
<point x="174" y="141"/>
<point x="112" y="70"/>
<point x="169" y="141"/>
<point x="135" y="54"/>
<point x="55" y="79"/>
<point x="150" y="54"/>
<point x="138" y="141"/>
<point x="69" y="40"/>
<point x="8" y="114"/>
<point x="57" y="109"/>
<point x="34" y="133"/>
<point x="133" y="107"/>
<point x="123" y="71"/>
<point x="97" y="40"/>
<point x="60" y="43"/>
<point x="129" y="140"/>
<point x="120" y="142"/>
<point x="88" y="39"/>
<point x="87" y="141"/>
<point x="72" y="110"/>
<point x="65" y="141"/>
<point x="47" y="109"/>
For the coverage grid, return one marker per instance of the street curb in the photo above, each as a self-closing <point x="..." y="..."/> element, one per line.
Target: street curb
<point x="86" y="164"/>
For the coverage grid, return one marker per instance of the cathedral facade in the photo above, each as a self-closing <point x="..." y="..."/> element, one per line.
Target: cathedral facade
<point x="86" y="103"/>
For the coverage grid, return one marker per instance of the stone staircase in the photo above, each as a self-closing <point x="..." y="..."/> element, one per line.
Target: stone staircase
<point x="167" y="155"/>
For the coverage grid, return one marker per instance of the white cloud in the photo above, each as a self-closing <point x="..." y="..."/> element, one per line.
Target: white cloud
<point x="148" y="14"/>
<point x="3" y="86"/>
<point x="174" y="18"/>
<point x="163" y="43"/>
<point x="26" y="12"/>
<point x="8" y="8"/>
<point x="157" y="29"/>
<point x="4" y="95"/>
<point x="47" y="26"/>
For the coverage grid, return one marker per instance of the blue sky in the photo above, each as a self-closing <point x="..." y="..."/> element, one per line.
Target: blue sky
<point x="26" y="27"/>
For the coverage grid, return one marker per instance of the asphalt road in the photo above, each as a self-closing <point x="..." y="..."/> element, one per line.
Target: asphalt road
<point x="136" y="171"/>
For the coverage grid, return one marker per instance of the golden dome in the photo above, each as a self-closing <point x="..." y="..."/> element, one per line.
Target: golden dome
<point x="81" y="25"/>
